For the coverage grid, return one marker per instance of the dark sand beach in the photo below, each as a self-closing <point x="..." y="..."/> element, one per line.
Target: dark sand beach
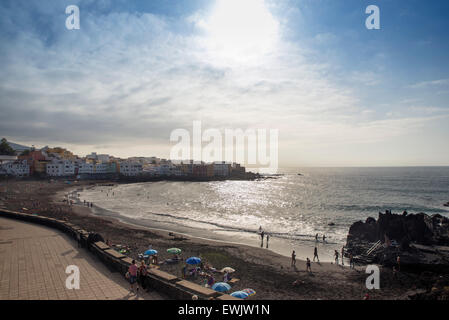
<point x="270" y="274"/>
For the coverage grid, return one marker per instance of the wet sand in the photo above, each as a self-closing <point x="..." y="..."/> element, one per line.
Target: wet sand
<point x="269" y="273"/>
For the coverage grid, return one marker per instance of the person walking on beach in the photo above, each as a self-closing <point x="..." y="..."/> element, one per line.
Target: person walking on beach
<point x="261" y="236"/>
<point x="132" y="270"/>
<point x="342" y="255"/>
<point x="268" y="238"/>
<point x="308" y="265"/>
<point x="336" y="257"/>
<point x="315" y="254"/>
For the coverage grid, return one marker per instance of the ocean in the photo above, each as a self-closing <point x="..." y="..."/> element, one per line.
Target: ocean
<point x="291" y="208"/>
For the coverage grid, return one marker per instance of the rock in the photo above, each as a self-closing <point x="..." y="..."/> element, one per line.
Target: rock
<point x="422" y="241"/>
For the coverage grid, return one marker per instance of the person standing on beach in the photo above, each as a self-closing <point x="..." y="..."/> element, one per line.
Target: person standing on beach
<point x="342" y="255"/>
<point x="315" y="254"/>
<point x="336" y="257"/>
<point x="316" y="237"/>
<point x="398" y="261"/>
<point x="261" y="236"/>
<point x="324" y="238"/>
<point x="293" y="259"/>
<point x="133" y="275"/>
<point x="308" y="265"/>
<point x="268" y="238"/>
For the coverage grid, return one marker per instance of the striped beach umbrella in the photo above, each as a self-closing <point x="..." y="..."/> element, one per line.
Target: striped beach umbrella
<point x="249" y="292"/>
<point x="221" y="287"/>
<point x="240" y="295"/>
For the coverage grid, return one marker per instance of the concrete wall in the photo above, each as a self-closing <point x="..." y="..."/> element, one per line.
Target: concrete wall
<point x="115" y="262"/>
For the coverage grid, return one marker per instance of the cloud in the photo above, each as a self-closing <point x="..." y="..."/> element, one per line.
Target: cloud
<point x="433" y="83"/>
<point x="130" y="78"/>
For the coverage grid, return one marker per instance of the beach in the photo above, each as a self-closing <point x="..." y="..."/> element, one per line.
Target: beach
<point x="268" y="273"/>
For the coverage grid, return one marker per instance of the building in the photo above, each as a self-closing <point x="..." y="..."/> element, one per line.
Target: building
<point x="130" y="169"/>
<point x="37" y="159"/>
<point x="222" y="169"/>
<point x="61" y="168"/>
<point x="85" y="168"/>
<point x="105" y="168"/>
<point x="18" y="168"/>
<point x="203" y="170"/>
<point x="237" y="170"/>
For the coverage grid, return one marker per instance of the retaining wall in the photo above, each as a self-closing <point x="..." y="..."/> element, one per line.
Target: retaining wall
<point x="164" y="283"/>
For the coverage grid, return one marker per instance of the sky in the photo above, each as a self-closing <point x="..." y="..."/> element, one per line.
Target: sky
<point x="338" y="93"/>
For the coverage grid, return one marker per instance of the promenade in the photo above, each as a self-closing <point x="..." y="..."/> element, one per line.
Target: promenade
<point x="33" y="260"/>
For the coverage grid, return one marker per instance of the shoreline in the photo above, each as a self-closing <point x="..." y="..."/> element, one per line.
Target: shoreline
<point x="222" y="234"/>
<point x="269" y="273"/>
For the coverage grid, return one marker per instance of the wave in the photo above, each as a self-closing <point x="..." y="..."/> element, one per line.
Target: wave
<point x="223" y="227"/>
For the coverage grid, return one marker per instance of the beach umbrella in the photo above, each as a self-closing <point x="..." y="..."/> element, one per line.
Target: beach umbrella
<point x="150" y="252"/>
<point x="249" y="292"/>
<point x="221" y="287"/>
<point x="240" y="295"/>
<point x="228" y="270"/>
<point x="174" y="250"/>
<point x="193" y="260"/>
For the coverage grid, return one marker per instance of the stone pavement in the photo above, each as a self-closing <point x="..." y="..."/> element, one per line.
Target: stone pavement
<point x="33" y="260"/>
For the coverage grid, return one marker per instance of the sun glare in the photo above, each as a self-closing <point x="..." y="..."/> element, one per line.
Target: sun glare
<point x="240" y="31"/>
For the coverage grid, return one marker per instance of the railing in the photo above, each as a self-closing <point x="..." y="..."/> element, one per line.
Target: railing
<point x="373" y="248"/>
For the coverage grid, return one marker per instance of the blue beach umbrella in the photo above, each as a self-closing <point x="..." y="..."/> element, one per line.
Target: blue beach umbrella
<point x="221" y="287"/>
<point x="240" y="294"/>
<point x="193" y="260"/>
<point x="150" y="252"/>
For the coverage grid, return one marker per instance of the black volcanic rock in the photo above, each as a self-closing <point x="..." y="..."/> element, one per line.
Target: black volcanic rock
<point x="421" y="240"/>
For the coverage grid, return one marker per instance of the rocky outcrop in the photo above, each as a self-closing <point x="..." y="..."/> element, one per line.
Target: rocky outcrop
<point x="419" y="239"/>
<point x="418" y="228"/>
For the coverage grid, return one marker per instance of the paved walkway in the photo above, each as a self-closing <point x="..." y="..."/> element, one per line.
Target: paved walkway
<point x="33" y="260"/>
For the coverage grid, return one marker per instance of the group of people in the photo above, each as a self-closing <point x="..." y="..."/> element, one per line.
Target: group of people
<point x="315" y="256"/>
<point x="88" y="204"/>
<point x="206" y="271"/>
<point x="137" y="276"/>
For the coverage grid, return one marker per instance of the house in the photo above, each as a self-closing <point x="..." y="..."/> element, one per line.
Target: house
<point x="18" y="168"/>
<point x="37" y="159"/>
<point x="128" y="168"/>
<point x="61" y="168"/>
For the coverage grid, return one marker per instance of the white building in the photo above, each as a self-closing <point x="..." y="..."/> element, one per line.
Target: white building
<point x="98" y="157"/>
<point x="15" y="168"/>
<point x="62" y="168"/>
<point x="105" y="167"/>
<point x="130" y="168"/>
<point x="85" y="168"/>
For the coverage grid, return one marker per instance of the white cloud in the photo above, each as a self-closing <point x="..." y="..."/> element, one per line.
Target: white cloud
<point x="130" y="79"/>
